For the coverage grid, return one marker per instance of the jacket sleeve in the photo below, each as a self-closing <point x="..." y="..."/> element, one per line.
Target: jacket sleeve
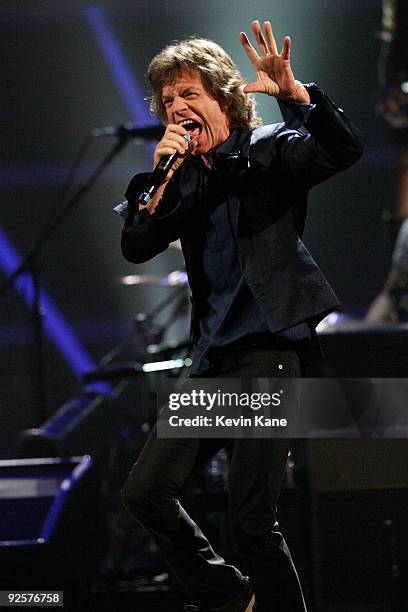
<point x="144" y="236"/>
<point x="331" y="145"/>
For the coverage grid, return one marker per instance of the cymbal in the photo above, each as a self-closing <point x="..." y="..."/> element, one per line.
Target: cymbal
<point x="177" y="278"/>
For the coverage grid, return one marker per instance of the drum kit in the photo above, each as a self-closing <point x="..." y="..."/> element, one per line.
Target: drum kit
<point x="176" y="278"/>
<point x="155" y="353"/>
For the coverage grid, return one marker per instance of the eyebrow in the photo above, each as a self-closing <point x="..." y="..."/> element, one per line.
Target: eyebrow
<point x="187" y="90"/>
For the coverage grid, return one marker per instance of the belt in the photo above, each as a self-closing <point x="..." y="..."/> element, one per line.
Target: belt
<point x="248" y="342"/>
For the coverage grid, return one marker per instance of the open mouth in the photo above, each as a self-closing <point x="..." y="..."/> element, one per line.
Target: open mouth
<point x="193" y="127"/>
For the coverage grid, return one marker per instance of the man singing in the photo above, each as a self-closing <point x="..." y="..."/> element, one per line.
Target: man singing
<point x="236" y="198"/>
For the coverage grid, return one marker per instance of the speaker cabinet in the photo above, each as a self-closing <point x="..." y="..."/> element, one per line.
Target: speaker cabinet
<point x="49" y="521"/>
<point x="359" y="493"/>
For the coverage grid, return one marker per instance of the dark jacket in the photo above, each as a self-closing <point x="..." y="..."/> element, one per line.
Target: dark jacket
<point x="266" y="179"/>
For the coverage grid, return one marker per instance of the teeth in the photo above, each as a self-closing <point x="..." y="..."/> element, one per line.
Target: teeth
<point x="186" y="122"/>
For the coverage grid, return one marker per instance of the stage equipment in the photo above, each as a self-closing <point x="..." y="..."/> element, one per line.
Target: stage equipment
<point x="131" y="131"/>
<point x="64" y="208"/>
<point x="363" y="350"/>
<point x="359" y="493"/>
<point x="112" y="428"/>
<point x="176" y="278"/>
<point x="49" y="521"/>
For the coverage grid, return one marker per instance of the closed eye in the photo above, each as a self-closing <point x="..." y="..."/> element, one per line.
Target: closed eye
<point x="188" y="94"/>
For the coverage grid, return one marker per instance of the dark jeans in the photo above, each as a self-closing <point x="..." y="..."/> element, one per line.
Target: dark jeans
<point x="255" y="478"/>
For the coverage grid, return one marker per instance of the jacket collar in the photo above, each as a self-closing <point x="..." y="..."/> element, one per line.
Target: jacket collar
<point x="229" y="158"/>
<point x="231" y="155"/>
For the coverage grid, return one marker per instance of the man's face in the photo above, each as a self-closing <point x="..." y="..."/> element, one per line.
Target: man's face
<point x="188" y="103"/>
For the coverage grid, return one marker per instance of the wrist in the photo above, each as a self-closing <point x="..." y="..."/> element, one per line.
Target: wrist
<point x="300" y="95"/>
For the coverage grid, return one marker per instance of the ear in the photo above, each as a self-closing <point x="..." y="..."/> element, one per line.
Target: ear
<point x="225" y="107"/>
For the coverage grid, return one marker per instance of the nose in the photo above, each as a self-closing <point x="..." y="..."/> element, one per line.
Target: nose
<point x="179" y="105"/>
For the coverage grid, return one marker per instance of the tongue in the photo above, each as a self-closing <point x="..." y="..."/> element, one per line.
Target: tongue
<point x="193" y="132"/>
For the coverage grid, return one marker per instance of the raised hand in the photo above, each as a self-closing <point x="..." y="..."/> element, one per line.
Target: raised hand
<point x="274" y="74"/>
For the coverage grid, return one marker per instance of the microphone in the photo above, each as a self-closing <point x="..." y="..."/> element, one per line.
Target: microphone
<point x="158" y="175"/>
<point x="130" y="130"/>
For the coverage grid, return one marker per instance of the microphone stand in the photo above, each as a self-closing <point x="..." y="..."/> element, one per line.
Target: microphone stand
<point x="30" y="265"/>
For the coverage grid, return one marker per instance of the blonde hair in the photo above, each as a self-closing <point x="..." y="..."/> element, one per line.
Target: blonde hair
<point x="219" y="74"/>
